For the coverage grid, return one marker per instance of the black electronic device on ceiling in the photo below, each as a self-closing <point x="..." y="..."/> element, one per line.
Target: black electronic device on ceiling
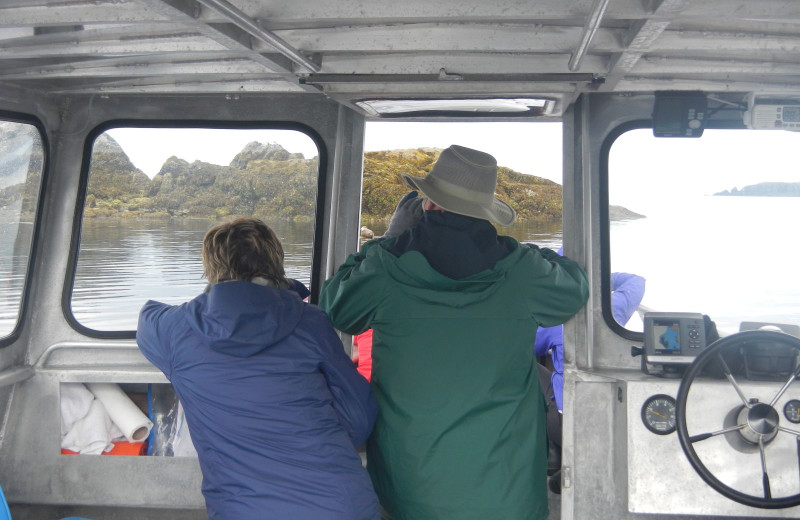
<point x="679" y="114"/>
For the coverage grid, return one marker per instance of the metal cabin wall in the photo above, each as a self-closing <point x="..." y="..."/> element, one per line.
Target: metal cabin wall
<point x="594" y="444"/>
<point x="32" y="471"/>
<point x="12" y="356"/>
<point x="603" y="474"/>
<point x="607" y="112"/>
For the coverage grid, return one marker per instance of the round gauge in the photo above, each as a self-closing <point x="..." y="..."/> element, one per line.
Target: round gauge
<point x="792" y="411"/>
<point x="658" y="414"/>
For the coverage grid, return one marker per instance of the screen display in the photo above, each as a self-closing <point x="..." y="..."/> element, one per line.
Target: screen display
<point x="667" y="337"/>
<point x="669" y="118"/>
<point x="791" y="114"/>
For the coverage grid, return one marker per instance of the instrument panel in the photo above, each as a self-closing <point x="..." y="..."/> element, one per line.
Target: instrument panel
<point x="658" y="414"/>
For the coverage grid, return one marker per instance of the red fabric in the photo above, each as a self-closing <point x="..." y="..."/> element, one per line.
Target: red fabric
<point x="128" y="448"/>
<point x="120" y="448"/>
<point x="363" y="344"/>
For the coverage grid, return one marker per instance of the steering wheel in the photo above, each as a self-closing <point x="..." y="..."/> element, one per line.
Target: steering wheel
<point x="758" y="423"/>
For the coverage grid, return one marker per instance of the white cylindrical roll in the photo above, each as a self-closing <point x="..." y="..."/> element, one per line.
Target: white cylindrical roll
<point x="126" y="415"/>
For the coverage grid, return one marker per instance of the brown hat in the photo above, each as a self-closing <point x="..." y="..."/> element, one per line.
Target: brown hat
<point x="463" y="181"/>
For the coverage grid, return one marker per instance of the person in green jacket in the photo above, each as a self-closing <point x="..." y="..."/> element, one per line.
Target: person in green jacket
<point x="454" y="310"/>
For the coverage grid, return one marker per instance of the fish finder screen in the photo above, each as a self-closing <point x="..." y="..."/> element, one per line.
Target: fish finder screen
<point x="667" y="337"/>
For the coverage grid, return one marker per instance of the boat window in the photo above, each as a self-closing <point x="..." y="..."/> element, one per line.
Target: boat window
<point x="152" y="193"/>
<point x="21" y="167"/>
<point x="711" y="223"/>
<point x="528" y="155"/>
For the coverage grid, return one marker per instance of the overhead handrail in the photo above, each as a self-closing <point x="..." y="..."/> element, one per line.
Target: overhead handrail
<point x="589" y="30"/>
<point x="241" y="20"/>
<point x="545" y="77"/>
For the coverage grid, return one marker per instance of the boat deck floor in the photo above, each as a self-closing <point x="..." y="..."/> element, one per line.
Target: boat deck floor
<point x="38" y="512"/>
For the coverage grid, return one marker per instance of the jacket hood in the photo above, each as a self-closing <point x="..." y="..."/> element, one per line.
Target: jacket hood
<point x="243" y="318"/>
<point x="414" y="275"/>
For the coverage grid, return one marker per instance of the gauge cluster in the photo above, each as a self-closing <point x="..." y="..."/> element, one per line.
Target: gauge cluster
<point x="658" y="414"/>
<point x="791" y="410"/>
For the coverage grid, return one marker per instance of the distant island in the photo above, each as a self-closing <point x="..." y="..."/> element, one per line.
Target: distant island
<point x="267" y="181"/>
<point x="764" y="189"/>
<point x="620" y="213"/>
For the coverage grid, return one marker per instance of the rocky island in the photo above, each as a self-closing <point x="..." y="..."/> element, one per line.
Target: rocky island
<point x="764" y="189"/>
<point x="267" y="181"/>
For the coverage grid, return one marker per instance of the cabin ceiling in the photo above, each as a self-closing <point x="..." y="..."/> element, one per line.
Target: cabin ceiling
<point x="352" y="50"/>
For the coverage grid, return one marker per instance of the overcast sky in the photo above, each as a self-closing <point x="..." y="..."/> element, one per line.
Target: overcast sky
<point x="644" y="170"/>
<point x="533" y="148"/>
<point x="149" y="148"/>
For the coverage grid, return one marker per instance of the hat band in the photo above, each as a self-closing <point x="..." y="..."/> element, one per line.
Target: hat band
<point x="461" y="192"/>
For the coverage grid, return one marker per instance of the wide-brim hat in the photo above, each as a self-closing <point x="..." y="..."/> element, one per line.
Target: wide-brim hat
<point x="463" y="181"/>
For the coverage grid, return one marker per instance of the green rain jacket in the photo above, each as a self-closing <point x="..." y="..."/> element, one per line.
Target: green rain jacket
<point x="461" y="428"/>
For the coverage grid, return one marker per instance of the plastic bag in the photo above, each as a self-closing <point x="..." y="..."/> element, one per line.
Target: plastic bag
<point x="170" y="435"/>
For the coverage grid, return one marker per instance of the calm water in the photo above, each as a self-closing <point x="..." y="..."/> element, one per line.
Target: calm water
<point x="122" y="264"/>
<point x="14" y="238"/>
<point x="720" y="259"/>
<point x="733" y="258"/>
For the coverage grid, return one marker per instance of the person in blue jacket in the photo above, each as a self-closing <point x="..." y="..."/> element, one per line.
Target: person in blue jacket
<point x="627" y="291"/>
<point x="275" y="407"/>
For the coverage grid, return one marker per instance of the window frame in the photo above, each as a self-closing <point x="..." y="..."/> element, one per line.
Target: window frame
<point x="29" y="119"/>
<point x="605" y="222"/>
<point x="77" y="223"/>
<point x="605" y="228"/>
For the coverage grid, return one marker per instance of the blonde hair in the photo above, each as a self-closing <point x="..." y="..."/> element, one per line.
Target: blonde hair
<point x="242" y="250"/>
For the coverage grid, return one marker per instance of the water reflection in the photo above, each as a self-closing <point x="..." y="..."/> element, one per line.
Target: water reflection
<point x="544" y="233"/>
<point x="124" y="263"/>
<point x="15" y="242"/>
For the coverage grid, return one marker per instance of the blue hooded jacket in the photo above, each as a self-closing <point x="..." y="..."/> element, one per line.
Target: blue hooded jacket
<point x="275" y="407"/>
<point x="627" y="291"/>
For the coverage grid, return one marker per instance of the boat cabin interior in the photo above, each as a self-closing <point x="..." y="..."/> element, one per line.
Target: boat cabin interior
<point x="676" y="160"/>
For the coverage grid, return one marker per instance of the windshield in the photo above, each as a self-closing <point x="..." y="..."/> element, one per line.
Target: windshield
<point x="152" y="195"/>
<point x="710" y="223"/>
<point x="21" y="166"/>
